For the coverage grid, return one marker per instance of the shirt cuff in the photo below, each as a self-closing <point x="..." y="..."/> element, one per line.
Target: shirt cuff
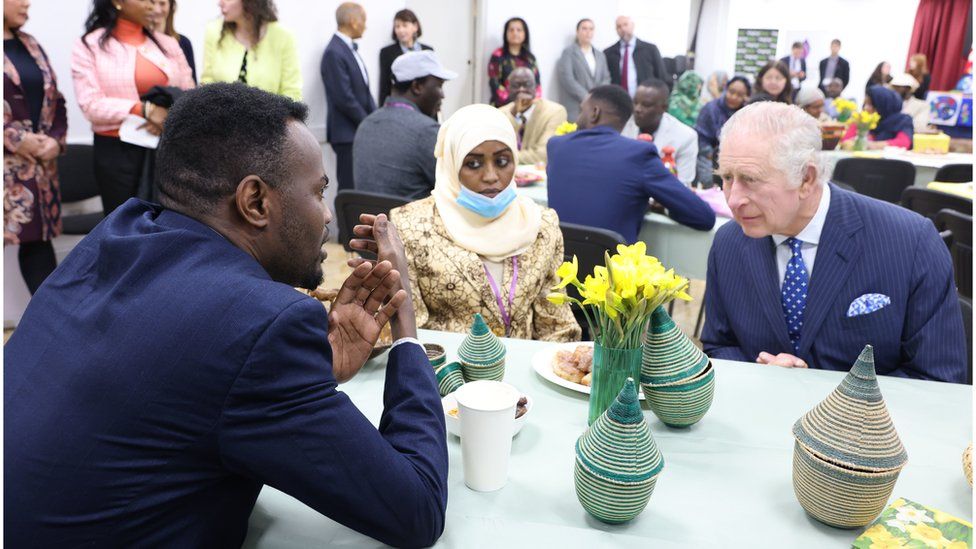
<point x="406" y="340"/>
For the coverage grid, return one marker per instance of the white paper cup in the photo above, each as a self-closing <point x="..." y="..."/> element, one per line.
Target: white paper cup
<point x="487" y="413"/>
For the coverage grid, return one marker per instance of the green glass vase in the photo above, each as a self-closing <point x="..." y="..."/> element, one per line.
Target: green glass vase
<point x="861" y="141"/>
<point x="611" y="368"/>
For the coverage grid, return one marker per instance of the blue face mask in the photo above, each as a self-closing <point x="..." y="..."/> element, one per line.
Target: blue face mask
<point x="484" y="206"/>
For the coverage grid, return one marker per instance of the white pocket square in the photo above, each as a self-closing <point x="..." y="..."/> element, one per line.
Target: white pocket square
<point x="867" y="304"/>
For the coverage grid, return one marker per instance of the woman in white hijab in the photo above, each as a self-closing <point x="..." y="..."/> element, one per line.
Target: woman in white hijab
<point x="474" y="246"/>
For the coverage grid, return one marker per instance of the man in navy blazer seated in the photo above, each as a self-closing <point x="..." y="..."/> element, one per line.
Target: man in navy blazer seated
<point x="346" y="81"/>
<point x="810" y="273"/>
<point x="599" y="178"/>
<point x="168" y="369"/>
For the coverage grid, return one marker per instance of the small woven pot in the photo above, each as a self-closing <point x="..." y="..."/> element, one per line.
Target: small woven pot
<point x="449" y="378"/>
<point x="482" y="353"/>
<point x="669" y="355"/>
<point x="682" y="404"/>
<point x="847" y="455"/>
<point x="837" y="496"/>
<point x="967" y="464"/>
<point x="617" y="461"/>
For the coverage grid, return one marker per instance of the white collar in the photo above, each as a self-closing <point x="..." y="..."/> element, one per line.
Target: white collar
<point x="528" y="112"/>
<point x="632" y="42"/>
<point x="811" y="233"/>
<point x="344" y="38"/>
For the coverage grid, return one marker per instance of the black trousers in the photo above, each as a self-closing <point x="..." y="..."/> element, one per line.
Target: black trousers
<point x="118" y="170"/>
<point x="344" y="165"/>
<point x="37" y="262"/>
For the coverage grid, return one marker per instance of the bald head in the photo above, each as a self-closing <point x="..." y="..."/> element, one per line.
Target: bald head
<point x="625" y="28"/>
<point x="351" y="19"/>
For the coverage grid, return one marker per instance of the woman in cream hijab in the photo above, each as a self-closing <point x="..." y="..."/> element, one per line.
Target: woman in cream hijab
<point x="474" y="246"/>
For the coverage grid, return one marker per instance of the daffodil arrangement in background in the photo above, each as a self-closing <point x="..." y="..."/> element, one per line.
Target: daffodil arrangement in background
<point x="865" y="122"/>
<point x="565" y="127"/>
<point x="845" y="109"/>
<point x="619" y="297"/>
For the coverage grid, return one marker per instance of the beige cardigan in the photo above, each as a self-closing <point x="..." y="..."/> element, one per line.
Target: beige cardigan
<point x="546" y="117"/>
<point x="449" y="284"/>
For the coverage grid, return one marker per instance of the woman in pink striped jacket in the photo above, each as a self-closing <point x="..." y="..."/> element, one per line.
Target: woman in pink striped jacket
<point x="115" y="63"/>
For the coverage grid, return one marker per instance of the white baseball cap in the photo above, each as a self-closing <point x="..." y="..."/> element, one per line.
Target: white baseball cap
<point x="420" y="64"/>
<point x="905" y="80"/>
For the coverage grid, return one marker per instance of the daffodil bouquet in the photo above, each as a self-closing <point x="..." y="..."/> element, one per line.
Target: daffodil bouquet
<point x="845" y="108"/>
<point x="565" y="127"/>
<point x="865" y="122"/>
<point x="619" y="297"/>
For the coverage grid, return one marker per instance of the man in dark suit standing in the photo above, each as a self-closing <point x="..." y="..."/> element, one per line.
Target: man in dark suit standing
<point x="632" y="60"/>
<point x="346" y="88"/>
<point x="834" y="66"/>
<point x="169" y="369"/>
<point x="797" y="64"/>
<point x="810" y="273"/>
<point x="600" y="178"/>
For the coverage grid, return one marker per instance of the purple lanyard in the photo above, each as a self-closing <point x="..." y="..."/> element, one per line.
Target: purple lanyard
<point x="511" y="295"/>
<point x="400" y="105"/>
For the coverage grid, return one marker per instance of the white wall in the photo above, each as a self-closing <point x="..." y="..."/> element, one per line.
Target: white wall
<point x="871" y="31"/>
<point x="552" y="26"/>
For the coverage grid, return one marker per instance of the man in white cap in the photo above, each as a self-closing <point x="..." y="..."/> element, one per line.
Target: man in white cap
<point x="394" y="147"/>
<point x="905" y="85"/>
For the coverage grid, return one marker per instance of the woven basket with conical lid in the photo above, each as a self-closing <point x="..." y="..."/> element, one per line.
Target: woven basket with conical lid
<point x="481" y="347"/>
<point x="669" y="355"/>
<point x="851" y="427"/>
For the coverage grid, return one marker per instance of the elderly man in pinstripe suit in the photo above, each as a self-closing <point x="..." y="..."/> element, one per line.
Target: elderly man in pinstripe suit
<point x="810" y="273"/>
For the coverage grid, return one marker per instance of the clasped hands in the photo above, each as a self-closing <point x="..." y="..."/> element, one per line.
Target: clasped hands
<point x="375" y="293"/>
<point x="40" y="146"/>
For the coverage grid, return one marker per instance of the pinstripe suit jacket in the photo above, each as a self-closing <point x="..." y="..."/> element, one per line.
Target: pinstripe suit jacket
<point x="867" y="246"/>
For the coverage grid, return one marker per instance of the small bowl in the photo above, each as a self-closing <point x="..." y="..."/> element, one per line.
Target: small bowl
<point x="454" y="422"/>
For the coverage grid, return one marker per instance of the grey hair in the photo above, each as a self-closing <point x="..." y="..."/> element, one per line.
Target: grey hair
<point x="347" y="12"/>
<point x="793" y="135"/>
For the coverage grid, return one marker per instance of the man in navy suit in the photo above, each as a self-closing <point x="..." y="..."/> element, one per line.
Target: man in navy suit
<point x="810" y="273"/>
<point x="346" y="81"/>
<point x="168" y="369"/>
<point x="797" y="64"/>
<point x="599" y="178"/>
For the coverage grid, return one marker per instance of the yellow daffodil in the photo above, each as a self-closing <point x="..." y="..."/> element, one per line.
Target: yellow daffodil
<point x="595" y="290"/>
<point x="565" y="127"/>
<point x="559" y="298"/>
<point x="567" y="273"/>
<point x="931" y="537"/>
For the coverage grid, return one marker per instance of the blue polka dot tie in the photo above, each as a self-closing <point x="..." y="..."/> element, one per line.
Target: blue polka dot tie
<point x="795" y="285"/>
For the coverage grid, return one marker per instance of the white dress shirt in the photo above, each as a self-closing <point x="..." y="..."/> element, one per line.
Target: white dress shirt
<point x="590" y="59"/>
<point x="810" y="236"/>
<point x="795" y="67"/>
<point x="362" y="66"/>
<point x="675" y="133"/>
<point x="631" y="82"/>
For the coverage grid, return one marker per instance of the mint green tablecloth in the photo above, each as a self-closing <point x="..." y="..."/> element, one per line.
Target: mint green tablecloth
<point x="726" y="481"/>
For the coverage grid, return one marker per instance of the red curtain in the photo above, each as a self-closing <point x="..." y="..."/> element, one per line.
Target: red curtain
<point x="939" y="33"/>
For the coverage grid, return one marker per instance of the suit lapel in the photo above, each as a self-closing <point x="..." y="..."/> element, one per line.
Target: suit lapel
<point x="836" y="255"/>
<point x="761" y="258"/>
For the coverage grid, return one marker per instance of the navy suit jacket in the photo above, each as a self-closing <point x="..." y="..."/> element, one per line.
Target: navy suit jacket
<point x="843" y="71"/>
<point x="599" y="178"/>
<point x="867" y="246"/>
<point x="159" y="378"/>
<point x="803" y="66"/>
<point x="347" y="96"/>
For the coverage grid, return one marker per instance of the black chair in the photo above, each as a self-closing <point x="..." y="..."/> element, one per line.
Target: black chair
<point x="966" y="306"/>
<point x="955" y="173"/>
<point x="957" y="229"/>
<point x="76" y="174"/>
<point x="349" y="204"/>
<point x="879" y="178"/>
<point x="928" y="202"/>
<point x="588" y="244"/>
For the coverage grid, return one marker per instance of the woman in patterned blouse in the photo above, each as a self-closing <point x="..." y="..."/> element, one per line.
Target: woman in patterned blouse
<point x="514" y="53"/>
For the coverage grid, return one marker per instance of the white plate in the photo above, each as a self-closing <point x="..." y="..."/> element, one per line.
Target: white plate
<point x="542" y="364"/>
<point x="454" y="424"/>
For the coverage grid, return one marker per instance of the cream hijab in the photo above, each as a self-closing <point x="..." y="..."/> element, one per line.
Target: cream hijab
<point x="507" y="235"/>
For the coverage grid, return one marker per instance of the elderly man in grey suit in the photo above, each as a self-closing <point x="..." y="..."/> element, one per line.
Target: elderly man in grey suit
<point x="581" y="68"/>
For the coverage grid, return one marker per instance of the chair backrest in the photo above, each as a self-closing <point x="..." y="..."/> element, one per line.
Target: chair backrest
<point x="966" y="307"/>
<point x="959" y="228"/>
<point x="349" y="204"/>
<point x="879" y="178"/>
<point x="588" y="244"/>
<point x="76" y="173"/>
<point x="928" y="202"/>
<point x="955" y="173"/>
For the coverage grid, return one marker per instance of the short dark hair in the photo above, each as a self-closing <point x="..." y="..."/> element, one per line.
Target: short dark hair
<point x="657" y="84"/>
<point x="797" y="45"/>
<point x="407" y="16"/>
<point x="218" y="134"/>
<point x="581" y="21"/>
<point x="614" y="97"/>
<point x="835" y="41"/>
